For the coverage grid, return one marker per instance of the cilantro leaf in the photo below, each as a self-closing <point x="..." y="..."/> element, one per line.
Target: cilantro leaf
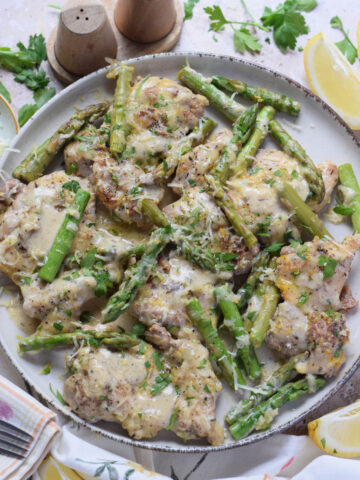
<point x="36" y="48"/>
<point x="345" y="46"/>
<point x="305" y="5"/>
<point x="275" y="247"/>
<point x="25" y="112"/>
<point x="15" y="61"/>
<point x="33" y="79"/>
<point x="329" y="265"/>
<point x="348" y="49"/>
<point x="5" y="93"/>
<point x="188" y="9"/>
<point x="287" y="23"/>
<point x="343" y="210"/>
<point x="244" y="40"/>
<point x="41" y="96"/>
<point x="215" y="13"/>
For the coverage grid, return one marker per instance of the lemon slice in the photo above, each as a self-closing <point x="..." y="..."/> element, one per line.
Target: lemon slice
<point x="50" y="469"/>
<point x="332" y="78"/>
<point x="338" y="432"/>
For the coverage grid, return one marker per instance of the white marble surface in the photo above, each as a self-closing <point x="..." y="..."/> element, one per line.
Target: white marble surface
<point x="20" y="18"/>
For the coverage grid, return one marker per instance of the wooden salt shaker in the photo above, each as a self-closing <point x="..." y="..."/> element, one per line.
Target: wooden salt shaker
<point x="145" y="21"/>
<point x="84" y="37"/>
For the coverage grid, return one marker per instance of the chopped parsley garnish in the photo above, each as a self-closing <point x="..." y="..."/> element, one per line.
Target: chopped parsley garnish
<point x="202" y="364"/>
<point x="138" y="330"/>
<point x="300" y="252"/>
<point x="323" y="442"/>
<point x="72" y="168"/>
<point x="304" y="297"/>
<point x="192" y="182"/>
<point x="161" y="382"/>
<point x="165" y="166"/>
<point x="275" y="247"/>
<point x="263" y="227"/>
<point x="254" y="171"/>
<point x="46" y="369"/>
<point x="72" y="185"/>
<point x="58" y="395"/>
<point x="172" y="419"/>
<point x="135" y="190"/>
<point x="207" y="389"/>
<point x="58" y="326"/>
<point x="278" y="173"/>
<point x="157" y="361"/>
<point x="342" y="210"/>
<point x="141" y="349"/>
<point x="294" y="174"/>
<point x="224" y="260"/>
<point x="329" y="265"/>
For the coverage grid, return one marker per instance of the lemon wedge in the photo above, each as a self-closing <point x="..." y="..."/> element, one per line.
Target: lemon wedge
<point x="338" y="432"/>
<point x="50" y="469"/>
<point x="332" y="78"/>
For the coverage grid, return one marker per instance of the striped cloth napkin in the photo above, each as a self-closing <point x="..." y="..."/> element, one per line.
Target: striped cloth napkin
<point x="23" y="411"/>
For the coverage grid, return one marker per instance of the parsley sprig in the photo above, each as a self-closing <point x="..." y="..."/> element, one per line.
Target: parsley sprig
<point x="285" y="22"/>
<point x="25" y="63"/>
<point x="345" y="46"/>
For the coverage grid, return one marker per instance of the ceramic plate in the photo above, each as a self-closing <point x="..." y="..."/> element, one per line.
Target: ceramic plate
<point x="324" y="136"/>
<point x="8" y="123"/>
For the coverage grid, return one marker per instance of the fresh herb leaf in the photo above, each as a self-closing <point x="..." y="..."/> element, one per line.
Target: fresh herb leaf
<point x="329" y="265"/>
<point x="26" y="112"/>
<point x="244" y="40"/>
<point x="215" y="13"/>
<point x="342" y="210"/>
<point x="286" y="22"/>
<point x="157" y="361"/>
<point x="41" y="96"/>
<point x="5" y="93"/>
<point x="304" y="297"/>
<point x="36" y="48"/>
<point x="32" y="79"/>
<point x="58" y="326"/>
<point x="46" y="369"/>
<point x="103" y="283"/>
<point x="89" y="259"/>
<point x="15" y="61"/>
<point x="345" y="46"/>
<point x="189" y="8"/>
<point x="300" y="252"/>
<point x="58" y="395"/>
<point x="161" y="382"/>
<point x="172" y="419"/>
<point x="275" y="247"/>
<point x="192" y="182"/>
<point x="72" y="185"/>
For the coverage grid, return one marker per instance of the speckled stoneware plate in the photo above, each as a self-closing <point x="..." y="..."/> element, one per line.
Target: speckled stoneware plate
<point x="323" y="134"/>
<point x="8" y="124"/>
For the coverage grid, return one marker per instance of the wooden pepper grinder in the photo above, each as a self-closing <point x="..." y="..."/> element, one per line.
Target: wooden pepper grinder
<point x="84" y="37"/>
<point x="145" y="21"/>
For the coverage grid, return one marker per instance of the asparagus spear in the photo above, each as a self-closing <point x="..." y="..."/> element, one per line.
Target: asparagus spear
<point x="199" y="84"/>
<point x="280" y="102"/>
<point x="305" y="215"/>
<point x="197" y="136"/>
<point x="188" y="246"/>
<point x="288" y="393"/>
<point x="34" y="164"/>
<point x="241" y="132"/>
<point x="64" y="237"/>
<point x="348" y="180"/>
<point x="247" y="289"/>
<point x="136" y="275"/>
<point x="310" y="172"/>
<point x="269" y="305"/>
<point x="93" y="338"/>
<point x="123" y="74"/>
<point x="234" y="323"/>
<point x="234" y="218"/>
<point x="247" y="153"/>
<point x="224" y="360"/>
<point x="279" y="377"/>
